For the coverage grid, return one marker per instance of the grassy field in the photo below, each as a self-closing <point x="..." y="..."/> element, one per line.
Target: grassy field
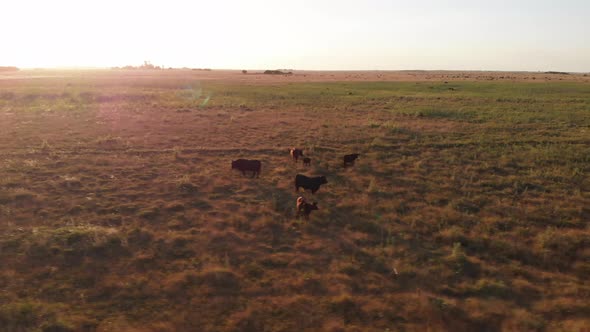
<point x="468" y="209"/>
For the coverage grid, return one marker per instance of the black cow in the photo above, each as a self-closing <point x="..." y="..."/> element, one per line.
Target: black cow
<point x="350" y="158"/>
<point x="247" y="165"/>
<point x="296" y="153"/>
<point x="305" y="208"/>
<point x="312" y="184"/>
<point x="306" y="161"/>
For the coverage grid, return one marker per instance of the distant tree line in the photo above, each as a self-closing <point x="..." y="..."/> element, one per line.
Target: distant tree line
<point x="277" y="72"/>
<point x="146" y="66"/>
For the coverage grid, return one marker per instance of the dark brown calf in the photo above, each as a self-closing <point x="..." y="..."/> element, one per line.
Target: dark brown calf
<point x="296" y="153"/>
<point x="350" y="158"/>
<point x="305" y="208"/>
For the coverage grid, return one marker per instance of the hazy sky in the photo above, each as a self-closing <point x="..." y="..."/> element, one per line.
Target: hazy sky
<point x="299" y="34"/>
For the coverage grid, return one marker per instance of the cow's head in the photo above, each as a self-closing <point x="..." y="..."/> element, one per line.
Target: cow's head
<point x="323" y="179"/>
<point x="314" y="206"/>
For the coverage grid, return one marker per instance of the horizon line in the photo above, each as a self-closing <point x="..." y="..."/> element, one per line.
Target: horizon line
<point x="294" y="70"/>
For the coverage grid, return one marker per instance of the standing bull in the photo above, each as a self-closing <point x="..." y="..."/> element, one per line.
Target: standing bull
<point x="245" y="165"/>
<point x="312" y="184"/>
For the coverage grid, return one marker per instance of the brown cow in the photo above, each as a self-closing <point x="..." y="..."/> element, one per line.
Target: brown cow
<point x="245" y="165"/>
<point x="296" y="153"/>
<point x="305" y="208"/>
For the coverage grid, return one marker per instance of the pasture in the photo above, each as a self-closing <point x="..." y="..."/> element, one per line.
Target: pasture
<point x="467" y="210"/>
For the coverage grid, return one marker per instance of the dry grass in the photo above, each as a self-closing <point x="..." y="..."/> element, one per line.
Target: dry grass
<point x="467" y="209"/>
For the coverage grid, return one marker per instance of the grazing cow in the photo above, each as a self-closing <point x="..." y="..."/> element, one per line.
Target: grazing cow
<point x="350" y="158"/>
<point x="296" y="153"/>
<point x="305" y="208"/>
<point x="244" y="165"/>
<point x="306" y="161"/>
<point x="312" y="184"/>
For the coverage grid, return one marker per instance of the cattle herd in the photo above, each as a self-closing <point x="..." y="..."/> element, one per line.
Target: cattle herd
<point x="301" y="181"/>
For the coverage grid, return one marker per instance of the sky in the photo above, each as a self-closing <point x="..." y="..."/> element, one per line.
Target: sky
<point x="527" y="35"/>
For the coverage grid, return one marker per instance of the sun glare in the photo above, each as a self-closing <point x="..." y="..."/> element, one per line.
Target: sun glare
<point x="296" y="34"/>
